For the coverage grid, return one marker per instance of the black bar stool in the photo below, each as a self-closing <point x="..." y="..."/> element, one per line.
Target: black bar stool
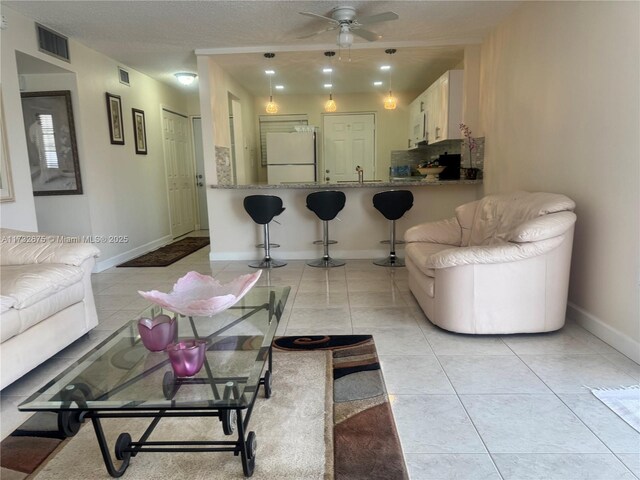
<point x="262" y="209"/>
<point x="392" y="204"/>
<point x="326" y="205"/>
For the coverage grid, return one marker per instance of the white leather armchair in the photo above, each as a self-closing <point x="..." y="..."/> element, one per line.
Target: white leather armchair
<point x="501" y="265"/>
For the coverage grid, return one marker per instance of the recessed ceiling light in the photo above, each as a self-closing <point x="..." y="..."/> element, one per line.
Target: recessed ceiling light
<point x="279" y="87"/>
<point x="377" y="83"/>
<point x="385" y="67"/>
<point x="328" y="85"/>
<point x="327" y="70"/>
<point x="270" y="72"/>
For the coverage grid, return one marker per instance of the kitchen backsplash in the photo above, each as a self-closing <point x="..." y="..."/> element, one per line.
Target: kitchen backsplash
<point x="412" y="158"/>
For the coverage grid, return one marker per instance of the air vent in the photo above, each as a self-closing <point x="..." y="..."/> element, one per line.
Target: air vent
<point x="52" y="43"/>
<point x="124" y="76"/>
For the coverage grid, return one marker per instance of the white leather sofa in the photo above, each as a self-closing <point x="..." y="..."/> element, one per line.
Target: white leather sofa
<point x="501" y="265"/>
<point x="46" y="298"/>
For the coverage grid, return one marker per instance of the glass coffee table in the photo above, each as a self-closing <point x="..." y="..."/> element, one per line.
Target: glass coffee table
<point x="120" y="378"/>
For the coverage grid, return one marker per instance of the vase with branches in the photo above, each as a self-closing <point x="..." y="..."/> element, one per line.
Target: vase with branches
<point x="472" y="145"/>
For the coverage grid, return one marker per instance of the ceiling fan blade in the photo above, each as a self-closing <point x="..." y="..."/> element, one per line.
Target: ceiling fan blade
<point x="381" y="17"/>
<point x="315" y="15"/>
<point x="366" y="34"/>
<point x="318" y="32"/>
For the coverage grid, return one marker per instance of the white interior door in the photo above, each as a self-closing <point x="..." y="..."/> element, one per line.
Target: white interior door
<point x="201" y="187"/>
<point x="349" y="141"/>
<point x="180" y="176"/>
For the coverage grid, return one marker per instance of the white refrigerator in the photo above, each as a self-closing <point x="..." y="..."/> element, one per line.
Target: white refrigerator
<point x="291" y="157"/>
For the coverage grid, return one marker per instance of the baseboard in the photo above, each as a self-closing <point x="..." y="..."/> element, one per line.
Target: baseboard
<point x="103" y="265"/>
<point x="618" y="340"/>
<point x="283" y="255"/>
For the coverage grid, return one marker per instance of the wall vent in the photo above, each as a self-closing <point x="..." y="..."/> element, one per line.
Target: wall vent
<point x="124" y="76"/>
<point x="53" y="43"/>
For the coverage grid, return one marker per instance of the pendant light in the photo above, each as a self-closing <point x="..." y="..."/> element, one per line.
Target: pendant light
<point x="390" y="102"/>
<point x="330" y="105"/>
<point x="272" y="107"/>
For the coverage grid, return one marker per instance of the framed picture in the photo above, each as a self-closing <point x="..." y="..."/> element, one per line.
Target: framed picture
<point x="114" y="109"/>
<point x="51" y="143"/>
<point x="6" y="183"/>
<point x="139" y="131"/>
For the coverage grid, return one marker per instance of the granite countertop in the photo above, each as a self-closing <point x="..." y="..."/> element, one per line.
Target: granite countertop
<point x="367" y="184"/>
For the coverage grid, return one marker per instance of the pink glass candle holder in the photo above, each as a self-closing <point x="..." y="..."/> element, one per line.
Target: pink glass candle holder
<point x="187" y="356"/>
<point x="158" y="332"/>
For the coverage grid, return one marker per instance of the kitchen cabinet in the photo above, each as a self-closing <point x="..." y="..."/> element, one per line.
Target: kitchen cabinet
<point x="417" y="122"/>
<point x="444" y="107"/>
<point x="436" y="114"/>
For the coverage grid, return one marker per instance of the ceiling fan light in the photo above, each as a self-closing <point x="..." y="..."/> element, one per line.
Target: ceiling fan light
<point x="345" y="38"/>
<point x="390" y="102"/>
<point x="186" y="78"/>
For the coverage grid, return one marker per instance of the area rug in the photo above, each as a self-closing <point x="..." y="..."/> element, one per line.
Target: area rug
<point x="366" y="442"/>
<point x="169" y="253"/>
<point x="623" y="401"/>
<point x="328" y="418"/>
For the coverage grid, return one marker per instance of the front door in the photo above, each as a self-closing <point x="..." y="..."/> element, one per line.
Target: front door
<point x="348" y="143"/>
<point x="180" y="176"/>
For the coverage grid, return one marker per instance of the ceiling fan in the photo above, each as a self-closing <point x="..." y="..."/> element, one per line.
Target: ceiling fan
<point x="344" y="19"/>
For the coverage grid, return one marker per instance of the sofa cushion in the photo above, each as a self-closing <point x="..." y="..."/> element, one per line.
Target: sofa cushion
<point x="21" y="248"/>
<point x="28" y="284"/>
<point x="497" y="216"/>
<point x="420" y="253"/>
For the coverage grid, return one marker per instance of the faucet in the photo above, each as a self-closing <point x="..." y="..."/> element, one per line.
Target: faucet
<point x="360" y="174"/>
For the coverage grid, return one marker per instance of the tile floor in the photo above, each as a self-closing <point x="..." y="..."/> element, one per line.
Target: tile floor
<point x="466" y="407"/>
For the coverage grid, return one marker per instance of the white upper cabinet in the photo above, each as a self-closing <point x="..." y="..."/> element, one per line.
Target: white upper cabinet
<point x="417" y="121"/>
<point x="436" y="114"/>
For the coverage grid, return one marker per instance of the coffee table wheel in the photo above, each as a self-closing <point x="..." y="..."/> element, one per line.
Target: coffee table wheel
<point x="267" y="384"/>
<point x="249" y="464"/>
<point x="168" y="385"/>
<point x="229" y="418"/>
<point x="122" y="443"/>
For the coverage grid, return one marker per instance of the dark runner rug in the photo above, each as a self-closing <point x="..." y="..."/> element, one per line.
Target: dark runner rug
<point x="169" y="253"/>
<point x="365" y="442"/>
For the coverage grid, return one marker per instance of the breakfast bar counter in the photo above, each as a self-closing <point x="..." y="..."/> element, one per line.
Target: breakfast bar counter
<point x="358" y="229"/>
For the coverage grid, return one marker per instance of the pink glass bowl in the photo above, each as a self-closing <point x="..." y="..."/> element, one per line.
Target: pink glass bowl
<point x="187" y="356"/>
<point x="196" y="294"/>
<point x="158" y="332"/>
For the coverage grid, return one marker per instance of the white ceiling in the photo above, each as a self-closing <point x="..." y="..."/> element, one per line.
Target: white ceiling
<point x="159" y="38"/>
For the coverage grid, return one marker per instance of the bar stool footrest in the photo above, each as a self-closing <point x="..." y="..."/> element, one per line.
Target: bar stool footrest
<point x="271" y="245"/>
<point x="387" y="242"/>
<point x="321" y="242"/>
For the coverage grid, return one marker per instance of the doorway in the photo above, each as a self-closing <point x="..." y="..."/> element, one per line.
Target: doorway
<point x="180" y="176"/>
<point x="201" y="189"/>
<point x="349" y="141"/>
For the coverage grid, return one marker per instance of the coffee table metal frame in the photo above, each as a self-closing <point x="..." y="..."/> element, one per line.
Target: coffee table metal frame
<point x="75" y="411"/>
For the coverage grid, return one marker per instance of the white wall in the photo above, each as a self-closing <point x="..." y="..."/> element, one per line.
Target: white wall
<point x="559" y="103"/>
<point x="126" y="193"/>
